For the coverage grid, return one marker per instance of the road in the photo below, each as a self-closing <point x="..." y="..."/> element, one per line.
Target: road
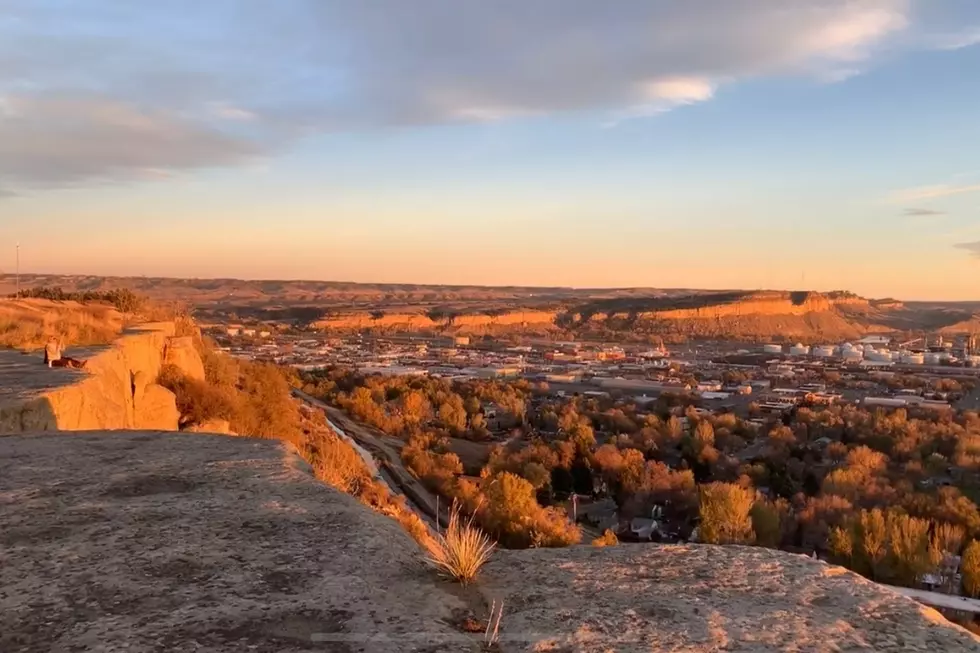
<point x="937" y="600"/>
<point x="386" y="452"/>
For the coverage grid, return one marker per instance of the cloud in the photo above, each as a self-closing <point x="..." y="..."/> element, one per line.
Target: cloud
<point x="973" y="248"/>
<point x="922" y="212"/>
<point x="58" y="140"/>
<point x="221" y="82"/>
<point x="935" y="191"/>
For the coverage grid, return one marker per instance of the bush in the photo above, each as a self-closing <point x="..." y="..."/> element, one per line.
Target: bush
<point x="608" y="538"/>
<point x="462" y="550"/>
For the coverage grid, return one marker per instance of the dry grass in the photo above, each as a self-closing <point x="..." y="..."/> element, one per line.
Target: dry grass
<point x="28" y="323"/>
<point x="462" y="550"/>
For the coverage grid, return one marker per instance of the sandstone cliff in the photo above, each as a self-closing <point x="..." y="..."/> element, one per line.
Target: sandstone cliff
<point x="806" y="316"/>
<point x="159" y="542"/>
<point x="116" y="390"/>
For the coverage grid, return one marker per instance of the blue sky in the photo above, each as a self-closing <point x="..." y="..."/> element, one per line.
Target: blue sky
<point x="707" y="143"/>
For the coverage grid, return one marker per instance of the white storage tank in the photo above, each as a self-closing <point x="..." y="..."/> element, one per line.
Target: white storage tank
<point x="823" y="351"/>
<point x="932" y="358"/>
<point x="878" y="356"/>
<point x="913" y="359"/>
<point x="773" y="349"/>
<point x="799" y="350"/>
<point x="973" y="361"/>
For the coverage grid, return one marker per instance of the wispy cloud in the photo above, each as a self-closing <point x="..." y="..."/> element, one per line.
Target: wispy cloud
<point x="922" y="212"/>
<point x="910" y="195"/>
<point x="973" y="248"/>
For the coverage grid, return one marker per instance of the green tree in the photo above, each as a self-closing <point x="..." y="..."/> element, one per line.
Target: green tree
<point x="725" y="514"/>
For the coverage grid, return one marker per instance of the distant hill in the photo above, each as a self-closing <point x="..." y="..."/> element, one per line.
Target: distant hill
<point x="637" y="313"/>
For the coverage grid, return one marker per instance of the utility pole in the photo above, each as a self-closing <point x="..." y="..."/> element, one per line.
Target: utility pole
<point x="17" y="276"/>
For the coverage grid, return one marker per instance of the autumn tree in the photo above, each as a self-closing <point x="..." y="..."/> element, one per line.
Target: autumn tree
<point x="970" y="568"/>
<point x="872" y="533"/>
<point x="725" y="514"/>
<point x="415" y="408"/>
<point x="909" y="539"/>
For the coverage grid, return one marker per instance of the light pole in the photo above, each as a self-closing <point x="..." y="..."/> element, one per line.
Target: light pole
<point x="17" y="276"/>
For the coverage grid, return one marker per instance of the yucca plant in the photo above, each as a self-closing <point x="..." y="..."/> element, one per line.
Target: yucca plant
<point x="461" y="550"/>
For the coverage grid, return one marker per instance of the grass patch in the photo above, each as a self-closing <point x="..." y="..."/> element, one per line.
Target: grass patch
<point x="461" y="551"/>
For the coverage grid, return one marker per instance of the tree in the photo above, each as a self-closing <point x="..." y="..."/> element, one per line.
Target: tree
<point x="970" y="568"/>
<point x="909" y="538"/>
<point x="415" y="408"/>
<point x="841" y="543"/>
<point x="945" y="542"/>
<point x="510" y="502"/>
<point x="452" y="414"/>
<point x="725" y="518"/>
<point x="873" y="536"/>
<point x="766" y="524"/>
<point x="536" y="474"/>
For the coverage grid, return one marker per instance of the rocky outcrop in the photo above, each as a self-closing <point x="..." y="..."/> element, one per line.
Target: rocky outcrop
<point x="178" y="542"/>
<point x="180" y="351"/>
<point x="115" y="390"/>
<point x="149" y="541"/>
<point x="705" y="598"/>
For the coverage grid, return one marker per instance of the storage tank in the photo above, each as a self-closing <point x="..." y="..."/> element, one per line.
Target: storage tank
<point x="823" y="351"/>
<point x="799" y="350"/>
<point x="850" y="352"/>
<point x="878" y="356"/>
<point x="932" y="358"/>
<point x="913" y="359"/>
<point x="973" y="361"/>
<point x="773" y="349"/>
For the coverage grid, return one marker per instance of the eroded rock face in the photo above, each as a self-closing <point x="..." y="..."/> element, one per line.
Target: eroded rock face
<point x="703" y="598"/>
<point x="177" y="542"/>
<point x="181" y="353"/>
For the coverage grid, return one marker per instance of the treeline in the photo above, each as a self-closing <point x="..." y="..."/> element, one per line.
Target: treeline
<point x="801" y="483"/>
<point x="427" y="412"/>
<point x="123" y="299"/>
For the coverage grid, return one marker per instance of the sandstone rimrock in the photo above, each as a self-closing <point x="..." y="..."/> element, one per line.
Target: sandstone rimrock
<point x="178" y="542"/>
<point x="704" y="598"/>
<point x="114" y="391"/>
<point x="180" y="351"/>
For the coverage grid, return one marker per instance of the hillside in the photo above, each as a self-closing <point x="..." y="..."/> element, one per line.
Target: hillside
<point x="150" y="541"/>
<point x="28" y="323"/>
<point x="640" y="313"/>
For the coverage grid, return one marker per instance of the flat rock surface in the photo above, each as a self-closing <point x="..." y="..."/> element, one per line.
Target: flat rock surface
<point x="142" y="541"/>
<point x="24" y="376"/>
<point x="702" y="598"/>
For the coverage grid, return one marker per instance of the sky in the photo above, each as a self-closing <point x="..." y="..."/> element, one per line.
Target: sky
<point x="817" y="144"/>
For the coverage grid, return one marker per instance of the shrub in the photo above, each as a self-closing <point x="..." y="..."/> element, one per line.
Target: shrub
<point x="461" y="551"/>
<point x="608" y="538"/>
